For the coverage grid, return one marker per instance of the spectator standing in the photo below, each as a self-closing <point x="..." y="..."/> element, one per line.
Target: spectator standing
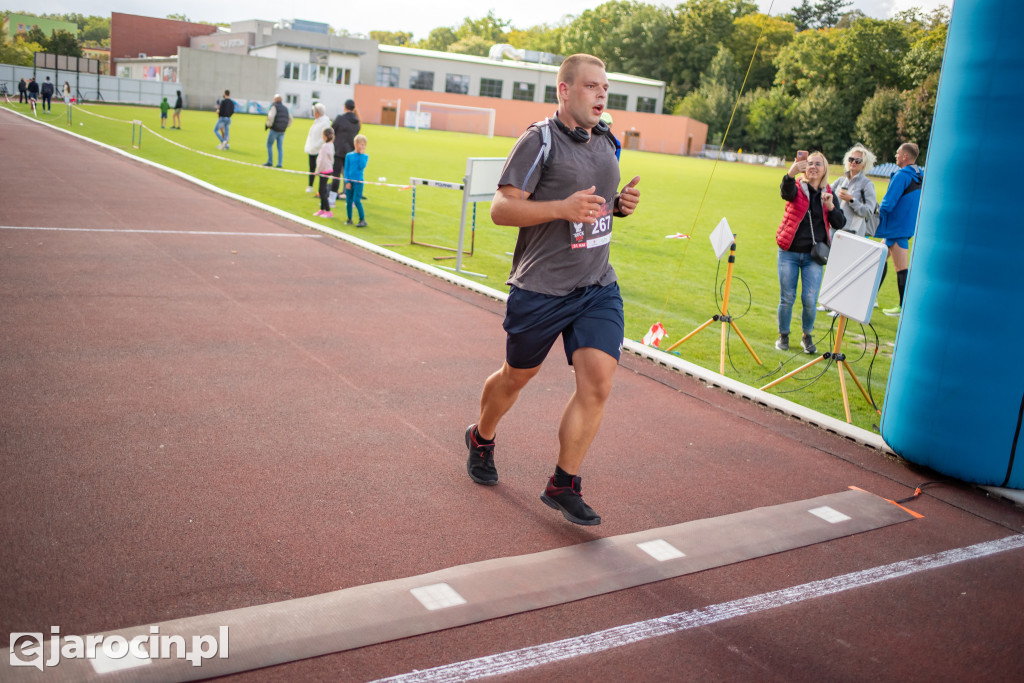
<point x="278" y="121"/>
<point x="165" y="106"/>
<point x="67" y="94"/>
<point x="355" y="164"/>
<point x="856" y="192"/>
<point x="346" y="126"/>
<point x="314" y="143"/>
<point x="22" y="92"/>
<point x="897" y="216"/>
<point x="176" y="121"/>
<point x="324" y="168"/>
<point x="33" y="92"/>
<point x="47" y="92"/>
<point x="562" y="283"/>
<point x="810" y="215"/>
<point x="222" y="129"/>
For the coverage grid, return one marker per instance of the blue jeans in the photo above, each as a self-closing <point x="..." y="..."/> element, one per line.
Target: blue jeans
<point x="271" y="136"/>
<point x="223" y="123"/>
<point x="793" y="267"/>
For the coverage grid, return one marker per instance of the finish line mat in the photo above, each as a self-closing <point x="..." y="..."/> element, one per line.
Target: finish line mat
<point x="264" y="635"/>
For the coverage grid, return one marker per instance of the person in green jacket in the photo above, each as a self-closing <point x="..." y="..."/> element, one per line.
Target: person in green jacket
<point x="164" y="108"/>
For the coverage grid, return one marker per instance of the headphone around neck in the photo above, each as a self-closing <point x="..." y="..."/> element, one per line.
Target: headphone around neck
<point x="580" y="134"/>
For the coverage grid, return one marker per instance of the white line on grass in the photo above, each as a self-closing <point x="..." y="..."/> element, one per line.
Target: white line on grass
<point x="538" y="655"/>
<point x="167" y="232"/>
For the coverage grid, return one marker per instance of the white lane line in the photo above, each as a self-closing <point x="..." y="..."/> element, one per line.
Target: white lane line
<point x="167" y="232"/>
<point x="538" y="655"/>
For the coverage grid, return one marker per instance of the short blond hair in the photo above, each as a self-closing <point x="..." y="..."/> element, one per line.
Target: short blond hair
<point x="359" y="138"/>
<point x="567" y="72"/>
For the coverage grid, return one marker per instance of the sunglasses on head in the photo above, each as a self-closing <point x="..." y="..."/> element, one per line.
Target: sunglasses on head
<point x="854" y="160"/>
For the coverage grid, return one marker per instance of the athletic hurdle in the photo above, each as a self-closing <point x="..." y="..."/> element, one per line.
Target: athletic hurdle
<point x="412" y="219"/>
<point x="478" y="185"/>
<point x="135" y="123"/>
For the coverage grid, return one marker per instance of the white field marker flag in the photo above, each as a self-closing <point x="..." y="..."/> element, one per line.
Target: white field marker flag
<point x="655" y="335"/>
<point x="677" y="236"/>
<point x="721" y="238"/>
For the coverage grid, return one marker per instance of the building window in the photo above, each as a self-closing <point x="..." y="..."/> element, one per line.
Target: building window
<point x="387" y="76"/>
<point x="421" y="80"/>
<point x="646" y="104"/>
<point x="305" y="73"/>
<point x="293" y="100"/>
<point x="456" y="83"/>
<point x="550" y="94"/>
<point x="315" y="95"/>
<point x="490" y="87"/>
<point x="617" y="101"/>
<point x="291" y="71"/>
<point x="343" y="76"/>
<point x="523" y="91"/>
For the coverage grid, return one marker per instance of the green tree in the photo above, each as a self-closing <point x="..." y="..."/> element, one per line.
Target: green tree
<point x="400" y="38"/>
<point x="771" y="120"/>
<point x="18" y="52"/>
<point x="878" y="124"/>
<point x="871" y="53"/>
<point x="542" y="38"/>
<point x="178" y="17"/>
<point x="773" y="33"/>
<point x="471" y="45"/>
<point x="703" y="25"/>
<point x="96" y="30"/>
<point x="915" y="119"/>
<point x="925" y="55"/>
<point x="439" y="39"/>
<point x="823" y="122"/>
<point x="490" y="28"/>
<point x="63" y="43"/>
<point x="829" y="12"/>
<point x="808" y="61"/>
<point x="802" y="16"/>
<point x="712" y="104"/>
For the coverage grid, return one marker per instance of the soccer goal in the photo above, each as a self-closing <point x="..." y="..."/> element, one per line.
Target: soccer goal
<point x="455" y="117"/>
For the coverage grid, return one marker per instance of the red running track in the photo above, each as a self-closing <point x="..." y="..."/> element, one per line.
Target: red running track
<point x="194" y="423"/>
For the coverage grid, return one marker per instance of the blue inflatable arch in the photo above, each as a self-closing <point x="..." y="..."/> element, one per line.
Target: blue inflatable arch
<point x="955" y="396"/>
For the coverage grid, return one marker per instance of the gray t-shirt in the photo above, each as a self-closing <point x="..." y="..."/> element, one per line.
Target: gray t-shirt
<point x="557" y="257"/>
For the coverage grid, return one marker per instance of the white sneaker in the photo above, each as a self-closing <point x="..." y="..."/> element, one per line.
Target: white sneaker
<point x="309" y="189"/>
<point x="822" y="308"/>
<point x="220" y="145"/>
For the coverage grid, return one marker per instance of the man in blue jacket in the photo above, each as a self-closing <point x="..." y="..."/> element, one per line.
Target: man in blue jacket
<point x="897" y="215"/>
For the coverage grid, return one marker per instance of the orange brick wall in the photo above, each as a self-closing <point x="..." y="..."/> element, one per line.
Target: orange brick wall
<point x="656" y="132"/>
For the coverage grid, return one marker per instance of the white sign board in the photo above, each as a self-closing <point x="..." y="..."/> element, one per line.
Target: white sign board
<point x="482" y="174"/>
<point x="852" y="276"/>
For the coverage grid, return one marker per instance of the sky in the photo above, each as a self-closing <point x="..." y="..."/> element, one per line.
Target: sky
<point x="416" y="16"/>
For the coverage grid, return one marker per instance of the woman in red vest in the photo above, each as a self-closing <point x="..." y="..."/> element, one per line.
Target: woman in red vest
<point x="810" y="211"/>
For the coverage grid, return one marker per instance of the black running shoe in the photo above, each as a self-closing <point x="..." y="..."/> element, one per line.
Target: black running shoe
<point x="808" y="345"/>
<point x="569" y="501"/>
<point x="481" y="460"/>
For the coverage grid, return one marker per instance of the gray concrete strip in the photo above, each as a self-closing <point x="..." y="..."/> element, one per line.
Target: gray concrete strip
<point x="265" y="635"/>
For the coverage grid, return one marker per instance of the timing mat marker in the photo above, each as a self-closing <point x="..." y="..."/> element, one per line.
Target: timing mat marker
<point x="277" y="633"/>
<point x="591" y="643"/>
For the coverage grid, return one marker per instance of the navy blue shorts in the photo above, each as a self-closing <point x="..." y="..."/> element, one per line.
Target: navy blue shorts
<point x="588" y="317"/>
<point x="901" y="241"/>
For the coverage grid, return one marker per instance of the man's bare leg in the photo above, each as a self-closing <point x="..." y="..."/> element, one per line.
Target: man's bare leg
<point x="501" y="390"/>
<point x="595" y="371"/>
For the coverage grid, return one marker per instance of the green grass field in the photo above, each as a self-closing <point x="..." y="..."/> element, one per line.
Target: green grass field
<point x="675" y="281"/>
